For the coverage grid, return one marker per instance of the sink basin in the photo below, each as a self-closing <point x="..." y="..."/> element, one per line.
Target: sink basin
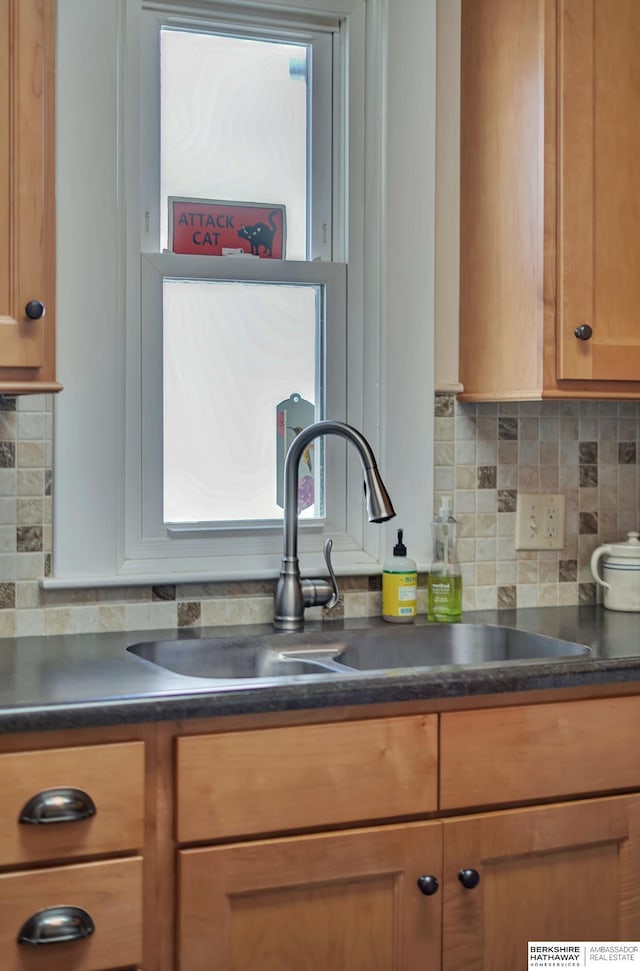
<point x="232" y="659"/>
<point x="351" y="652"/>
<point x="436" y="645"/>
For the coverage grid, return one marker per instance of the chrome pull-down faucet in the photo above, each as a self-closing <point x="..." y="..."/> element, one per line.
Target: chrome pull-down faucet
<point x="293" y="593"/>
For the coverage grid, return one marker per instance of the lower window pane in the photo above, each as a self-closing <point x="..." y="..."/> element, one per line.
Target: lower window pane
<point x="232" y="352"/>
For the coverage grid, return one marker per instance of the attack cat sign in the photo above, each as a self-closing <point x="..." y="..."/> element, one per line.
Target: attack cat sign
<point x="205" y="227"/>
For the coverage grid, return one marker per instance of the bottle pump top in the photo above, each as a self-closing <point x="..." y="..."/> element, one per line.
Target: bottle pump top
<point x="445" y="508"/>
<point x="400" y="549"/>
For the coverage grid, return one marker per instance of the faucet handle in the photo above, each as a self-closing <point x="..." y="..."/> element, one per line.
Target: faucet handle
<point x="335" y="597"/>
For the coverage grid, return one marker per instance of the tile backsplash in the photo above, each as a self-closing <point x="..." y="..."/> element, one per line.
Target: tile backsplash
<point x="485" y="454"/>
<point x="488" y="453"/>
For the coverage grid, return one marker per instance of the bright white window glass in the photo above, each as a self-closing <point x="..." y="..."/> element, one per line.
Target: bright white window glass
<point x="234" y="124"/>
<point x="231" y="352"/>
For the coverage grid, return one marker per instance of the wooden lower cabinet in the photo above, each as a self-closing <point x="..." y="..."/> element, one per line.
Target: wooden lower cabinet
<point x="107" y="893"/>
<point x="350" y="901"/>
<point x="344" y="901"/>
<point x="565" y="872"/>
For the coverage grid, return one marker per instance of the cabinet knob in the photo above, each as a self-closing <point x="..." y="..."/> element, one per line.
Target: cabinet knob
<point x="469" y="878"/>
<point x="56" y="925"/>
<point x="35" y="309"/>
<point x="428" y="885"/>
<point x="58" y="806"/>
<point x="583" y="332"/>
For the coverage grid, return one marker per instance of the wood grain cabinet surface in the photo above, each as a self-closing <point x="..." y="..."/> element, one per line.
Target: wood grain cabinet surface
<point x="563" y="872"/>
<point x="550" y="199"/>
<point x="531" y="753"/>
<point x="305" y="777"/>
<point x="467" y="890"/>
<point x="341" y="901"/>
<point x="440" y="839"/>
<point x="90" y="798"/>
<point x="73" y="836"/>
<point x="27" y="196"/>
<point x="107" y="892"/>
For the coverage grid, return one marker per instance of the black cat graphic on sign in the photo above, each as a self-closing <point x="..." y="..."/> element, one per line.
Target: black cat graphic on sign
<point x="260" y="235"/>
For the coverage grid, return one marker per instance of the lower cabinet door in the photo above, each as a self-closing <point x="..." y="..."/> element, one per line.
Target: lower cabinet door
<point x="564" y="872"/>
<point x="45" y="915"/>
<point x="347" y="901"/>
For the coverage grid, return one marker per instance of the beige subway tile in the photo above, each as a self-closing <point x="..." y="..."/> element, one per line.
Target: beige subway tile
<point x="29" y="566"/>
<point x="30" y="455"/>
<point x="486" y="574"/>
<point x="29" y="511"/>
<point x="28" y="595"/>
<point x="111" y="617"/>
<point x="29" y="623"/>
<point x="7" y="623"/>
<point x="486" y="598"/>
<point x="58" y="620"/>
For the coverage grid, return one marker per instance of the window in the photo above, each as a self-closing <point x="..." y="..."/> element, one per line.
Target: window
<point x="136" y="449"/>
<point x="242" y="113"/>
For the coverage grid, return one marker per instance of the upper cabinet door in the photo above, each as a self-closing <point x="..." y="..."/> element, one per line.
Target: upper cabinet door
<point x="599" y="204"/>
<point x="27" y="196"/>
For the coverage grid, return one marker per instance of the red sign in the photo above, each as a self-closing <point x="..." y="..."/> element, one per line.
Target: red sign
<point x="204" y="227"/>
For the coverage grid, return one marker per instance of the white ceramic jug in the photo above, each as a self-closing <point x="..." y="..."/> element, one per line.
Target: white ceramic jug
<point x="620" y="573"/>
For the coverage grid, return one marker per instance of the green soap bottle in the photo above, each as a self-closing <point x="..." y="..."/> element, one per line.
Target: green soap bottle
<point x="444" y="584"/>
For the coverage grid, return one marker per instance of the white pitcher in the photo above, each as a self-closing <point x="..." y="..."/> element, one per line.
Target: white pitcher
<point x="620" y="573"/>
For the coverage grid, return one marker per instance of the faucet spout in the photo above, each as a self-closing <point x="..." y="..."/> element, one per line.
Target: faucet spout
<point x="292" y="593"/>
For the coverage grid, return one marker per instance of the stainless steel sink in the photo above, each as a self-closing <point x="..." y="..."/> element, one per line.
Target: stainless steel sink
<point x="234" y="659"/>
<point x="437" y="644"/>
<point x="352" y="652"/>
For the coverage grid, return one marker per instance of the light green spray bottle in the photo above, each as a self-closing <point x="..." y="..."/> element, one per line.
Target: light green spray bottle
<point x="444" y="584"/>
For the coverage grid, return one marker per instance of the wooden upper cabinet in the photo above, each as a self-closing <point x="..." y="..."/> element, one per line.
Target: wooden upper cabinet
<point x="600" y="189"/>
<point x="27" y="196"/>
<point x="550" y="199"/>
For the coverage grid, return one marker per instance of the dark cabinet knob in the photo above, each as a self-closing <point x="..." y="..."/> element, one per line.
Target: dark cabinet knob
<point x="56" y="925"/>
<point x="428" y="885"/>
<point x="35" y="309"/>
<point x="583" y="332"/>
<point x="469" y="878"/>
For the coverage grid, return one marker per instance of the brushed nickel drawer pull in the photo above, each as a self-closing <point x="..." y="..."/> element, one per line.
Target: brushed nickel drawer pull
<point x="65" y="805"/>
<point x="56" y="925"/>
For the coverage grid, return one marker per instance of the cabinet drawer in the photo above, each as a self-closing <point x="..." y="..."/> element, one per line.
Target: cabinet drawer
<point x="539" y="751"/>
<point x="110" y="892"/>
<point x="112" y="776"/>
<point x="284" y="779"/>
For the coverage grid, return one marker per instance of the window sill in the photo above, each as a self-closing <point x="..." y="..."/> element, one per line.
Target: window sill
<point x="161" y="579"/>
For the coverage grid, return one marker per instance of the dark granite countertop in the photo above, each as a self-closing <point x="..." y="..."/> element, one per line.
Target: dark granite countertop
<point x="90" y="679"/>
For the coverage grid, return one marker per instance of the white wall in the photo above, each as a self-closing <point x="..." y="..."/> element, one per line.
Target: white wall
<point x="447" y="263"/>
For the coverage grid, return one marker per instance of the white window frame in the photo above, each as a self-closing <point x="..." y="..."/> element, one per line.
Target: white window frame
<point x="247" y="548"/>
<point x="244" y="20"/>
<point x="147" y="538"/>
<point x="388" y="184"/>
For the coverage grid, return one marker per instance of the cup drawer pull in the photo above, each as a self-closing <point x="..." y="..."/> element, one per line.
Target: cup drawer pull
<point x="56" y="925"/>
<point x="58" y="806"/>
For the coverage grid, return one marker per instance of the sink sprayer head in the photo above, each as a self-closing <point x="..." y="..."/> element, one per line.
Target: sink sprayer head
<point x="379" y="505"/>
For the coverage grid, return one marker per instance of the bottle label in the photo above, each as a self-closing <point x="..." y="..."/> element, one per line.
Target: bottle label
<point x="399" y="594"/>
<point x="444" y="598"/>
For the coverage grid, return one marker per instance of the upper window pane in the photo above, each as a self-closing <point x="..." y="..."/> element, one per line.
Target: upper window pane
<point x="234" y="125"/>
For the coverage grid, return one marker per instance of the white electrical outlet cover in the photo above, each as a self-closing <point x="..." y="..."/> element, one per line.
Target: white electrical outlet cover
<point x="540" y="522"/>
